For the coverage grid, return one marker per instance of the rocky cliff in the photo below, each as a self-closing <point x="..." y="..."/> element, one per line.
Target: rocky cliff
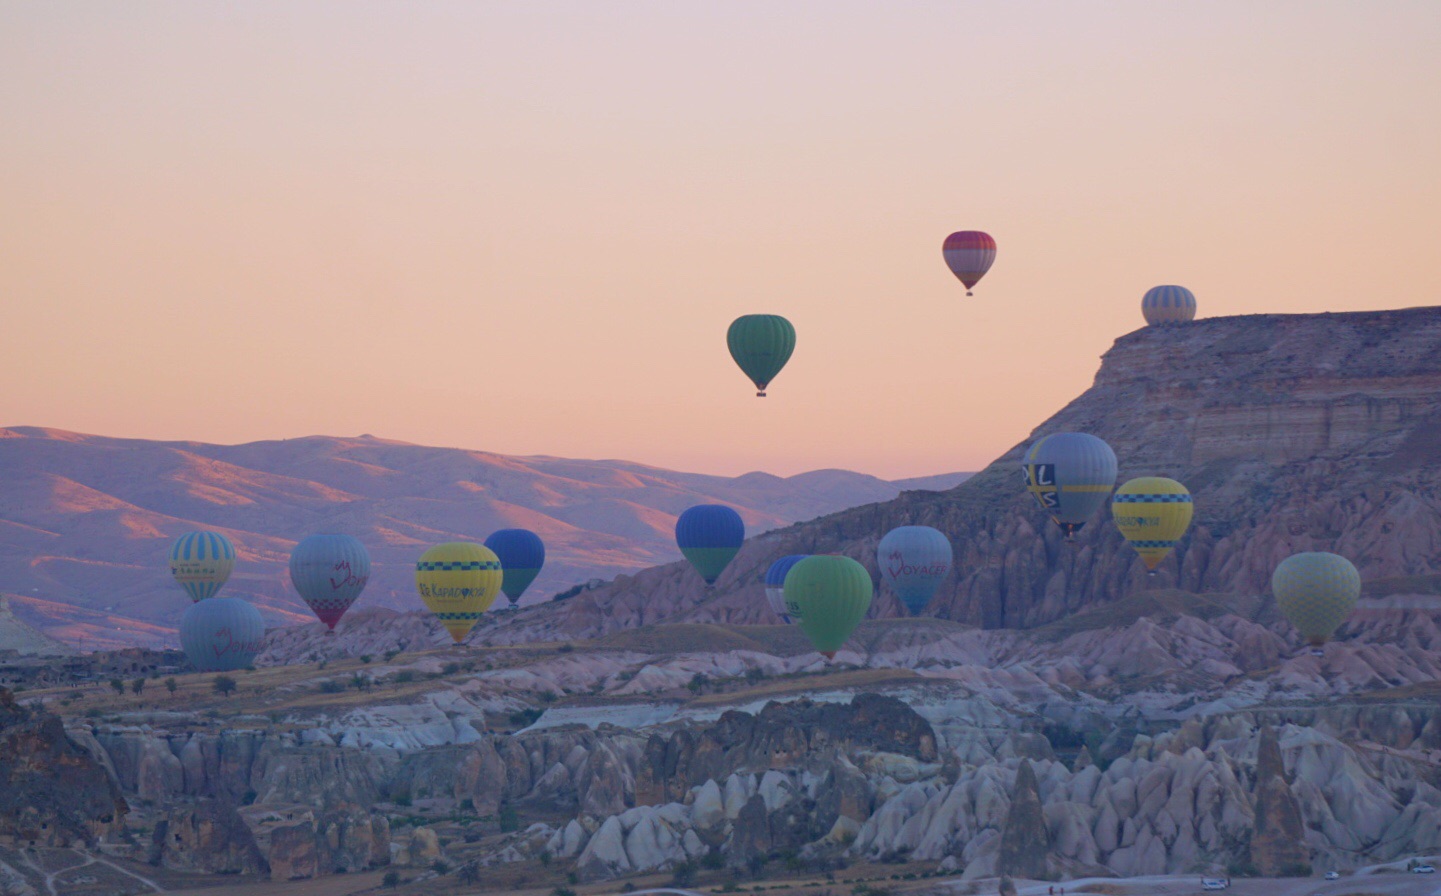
<point x="1293" y="432"/>
<point x="52" y="792"/>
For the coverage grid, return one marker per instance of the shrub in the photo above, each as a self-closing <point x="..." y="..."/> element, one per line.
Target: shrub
<point x="223" y="684"/>
<point x="467" y="805"/>
<point x="547" y="696"/>
<point x="331" y="686"/>
<point x="755" y="674"/>
<point x="545" y="858"/>
<point x="698" y="683"/>
<point x="450" y="668"/>
<point x="713" y="860"/>
<point x="391" y="879"/>
<point x="562" y="891"/>
<point x="683" y="875"/>
<point x="403" y="676"/>
<point x="566" y="648"/>
<point x="249" y="798"/>
<point x="117" y="685"/>
<point x="365" y="658"/>
<point x="440" y="866"/>
<point x="137" y="686"/>
<point x="523" y="717"/>
<point x="391" y="654"/>
<point x="509" y="819"/>
<point x="171" y="685"/>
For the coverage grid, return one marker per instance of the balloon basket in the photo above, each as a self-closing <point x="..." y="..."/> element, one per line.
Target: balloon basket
<point x="969" y="293"/>
<point x="760" y="395"/>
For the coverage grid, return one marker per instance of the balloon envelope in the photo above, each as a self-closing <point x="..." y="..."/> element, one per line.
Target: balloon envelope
<point x="1070" y="474"/>
<point x="1168" y="305"/>
<point x="969" y="254"/>
<point x="776" y="585"/>
<point x="1152" y="513"/>
<point x="201" y="562"/>
<point x="914" y="560"/>
<point x="1316" y="591"/>
<point x="458" y="581"/>
<point x="831" y="595"/>
<point x="709" y="535"/>
<point x="761" y="344"/>
<point x="329" y="572"/>
<point x="521" y="554"/>
<point x="221" y="634"/>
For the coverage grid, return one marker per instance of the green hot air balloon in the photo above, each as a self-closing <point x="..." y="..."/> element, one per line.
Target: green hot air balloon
<point x="1316" y="591"/>
<point x="761" y="345"/>
<point x="830" y="594"/>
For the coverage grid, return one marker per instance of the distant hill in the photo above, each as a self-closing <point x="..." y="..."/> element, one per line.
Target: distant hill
<point x="85" y="521"/>
<point x="1293" y="432"/>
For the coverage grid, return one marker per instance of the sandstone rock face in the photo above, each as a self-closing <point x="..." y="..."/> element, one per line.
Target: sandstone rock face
<point x="53" y="793"/>
<point x="1025" y="838"/>
<point x="209" y="836"/>
<point x="1278" y="847"/>
<point x="1293" y="432"/>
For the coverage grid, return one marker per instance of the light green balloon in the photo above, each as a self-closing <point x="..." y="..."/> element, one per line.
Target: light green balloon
<point x="1316" y="591"/>
<point x="831" y="595"/>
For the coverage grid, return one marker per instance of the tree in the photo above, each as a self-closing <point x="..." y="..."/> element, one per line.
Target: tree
<point x="118" y="685"/>
<point x="469" y="873"/>
<point x="224" y="684"/>
<point x="171" y="685"/>
<point x="391" y="879"/>
<point x="137" y="686"/>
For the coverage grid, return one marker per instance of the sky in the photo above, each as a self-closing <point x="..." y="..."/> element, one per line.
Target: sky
<point x="525" y="227"/>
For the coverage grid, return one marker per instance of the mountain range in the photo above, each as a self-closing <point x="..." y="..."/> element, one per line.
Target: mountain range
<point x="85" y="521"/>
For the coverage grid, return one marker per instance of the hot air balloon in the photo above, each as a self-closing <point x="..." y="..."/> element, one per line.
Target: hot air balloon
<point x="1152" y="513"/>
<point x="329" y="572"/>
<point x="201" y="562"/>
<point x="1070" y="473"/>
<point x="221" y="634"/>
<point x="761" y="344"/>
<point x="521" y="554"/>
<point x="1168" y="305"/>
<point x="776" y="585"/>
<point x="709" y="535"/>
<point x="914" y="560"/>
<point x="969" y="254"/>
<point x="830" y="594"/>
<point x="458" y="581"/>
<point x="1316" y="591"/>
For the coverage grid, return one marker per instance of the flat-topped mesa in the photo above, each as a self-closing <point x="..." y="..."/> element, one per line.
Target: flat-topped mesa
<point x="1293" y="432"/>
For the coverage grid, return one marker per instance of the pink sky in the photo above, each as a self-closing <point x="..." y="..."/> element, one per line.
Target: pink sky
<point x="524" y="227"/>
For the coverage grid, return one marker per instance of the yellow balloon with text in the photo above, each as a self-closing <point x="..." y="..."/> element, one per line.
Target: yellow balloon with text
<point x="1152" y="513"/>
<point x="458" y="581"/>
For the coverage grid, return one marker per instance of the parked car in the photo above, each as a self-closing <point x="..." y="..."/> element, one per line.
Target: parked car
<point x="1424" y="869"/>
<point x="1333" y="875"/>
<point x="1214" y="883"/>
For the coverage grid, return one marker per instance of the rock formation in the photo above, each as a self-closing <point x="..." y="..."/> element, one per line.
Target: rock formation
<point x="1293" y="432"/>
<point x="1278" y="847"/>
<point x="208" y="836"/>
<point x="52" y="792"/>
<point x="1025" y="839"/>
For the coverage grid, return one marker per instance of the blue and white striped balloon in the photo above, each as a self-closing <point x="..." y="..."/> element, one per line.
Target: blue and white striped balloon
<point x="202" y="562"/>
<point x="776" y="584"/>
<point x="1168" y="305"/>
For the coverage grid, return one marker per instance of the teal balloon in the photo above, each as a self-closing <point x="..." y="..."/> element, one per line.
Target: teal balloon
<point x="761" y="344"/>
<point x="221" y="634"/>
<point x="1071" y="475"/>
